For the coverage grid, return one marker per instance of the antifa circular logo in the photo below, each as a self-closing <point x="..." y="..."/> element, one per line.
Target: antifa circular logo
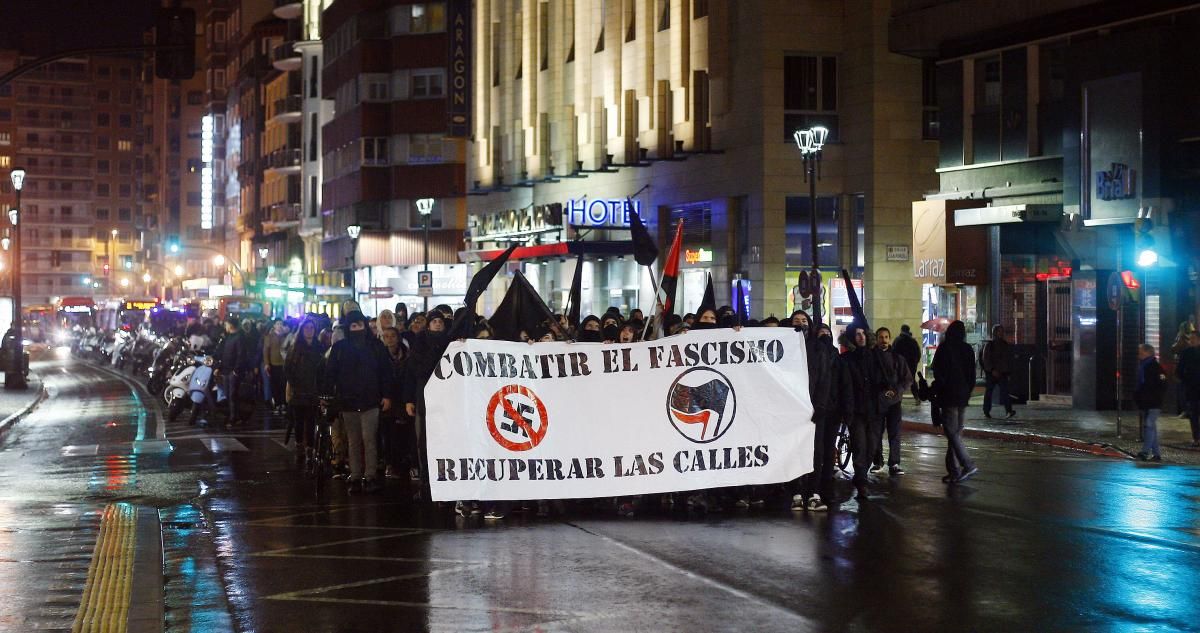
<point x="701" y="404"/>
<point x="516" y="418"/>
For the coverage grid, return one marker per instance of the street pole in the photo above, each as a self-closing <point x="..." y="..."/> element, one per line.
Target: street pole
<point x="15" y="378"/>
<point x="354" y="230"/>
<point x="810" y="167"/>
<point x="425" y="223"/>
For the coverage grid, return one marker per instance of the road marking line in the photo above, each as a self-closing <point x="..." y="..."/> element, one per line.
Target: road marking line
<point x="104" y="606"/>
<point x="223" y="445"/>
<point x="301" y="548"/>
<point x="83" y="450"/>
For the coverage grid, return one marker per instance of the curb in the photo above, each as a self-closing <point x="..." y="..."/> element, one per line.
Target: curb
<point x="1099" y="449"/>
<point x="24" y="411"/>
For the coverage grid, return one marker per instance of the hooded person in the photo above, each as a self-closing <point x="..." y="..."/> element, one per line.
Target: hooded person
<point x="828" y="385"/>
<point x="770" y="321"/>
<point x="359" y="376"/>
<point x="861" y="367"/>
<point x="589" y="330"/>
<point x="427" y="349"/>
<point x="706" y="320"/>
<point x="610" y="333"/>
<point x="800" y="321"/>
<point x="954" y="370"/>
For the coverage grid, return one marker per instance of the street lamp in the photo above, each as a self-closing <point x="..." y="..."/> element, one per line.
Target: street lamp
<point x="14" y="378"/>
<point x="124" y="282"/>
<point x="179" y="271"/>
<point x="811" y="142"/>
<point x="425" y="208"/>
<point x="354" y="230"/>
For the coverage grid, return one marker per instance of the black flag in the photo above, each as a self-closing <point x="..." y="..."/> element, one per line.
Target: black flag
<point x="521" y="310"/>
<point x="709" y="302"/>
<point x="645" y="251"/>
<point x="856" y="308"/>
<point x="739" y="303"/>
<point x="461" y="326"/>
<point x="575" y="298"/>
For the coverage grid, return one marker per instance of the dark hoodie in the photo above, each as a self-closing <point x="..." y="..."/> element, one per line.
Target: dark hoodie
<point x="587" y="336"/>
<point x="954" y="367"/>
<point x="427" y="349"/>
<point x="358" y="372"/>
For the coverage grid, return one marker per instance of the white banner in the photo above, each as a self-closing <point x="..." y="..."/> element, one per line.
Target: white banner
<point x="705" y="409"/>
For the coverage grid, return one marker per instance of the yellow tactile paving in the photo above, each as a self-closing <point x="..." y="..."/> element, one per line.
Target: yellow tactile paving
<point x="104" y="606"/>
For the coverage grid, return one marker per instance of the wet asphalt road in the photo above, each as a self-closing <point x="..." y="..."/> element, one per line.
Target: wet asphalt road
<point x="1040" y="541"/>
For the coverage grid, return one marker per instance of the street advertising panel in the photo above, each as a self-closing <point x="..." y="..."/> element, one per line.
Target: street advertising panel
<point x="704" y="409"/>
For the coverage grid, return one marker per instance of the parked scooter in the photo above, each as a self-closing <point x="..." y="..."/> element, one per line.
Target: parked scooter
<point x="178" y="386"/>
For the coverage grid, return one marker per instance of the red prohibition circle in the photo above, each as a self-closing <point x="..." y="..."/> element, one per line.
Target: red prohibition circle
<point x="500" y="400"/>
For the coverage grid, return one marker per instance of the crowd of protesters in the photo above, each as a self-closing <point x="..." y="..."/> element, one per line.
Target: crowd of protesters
<point x="371" y="373"/>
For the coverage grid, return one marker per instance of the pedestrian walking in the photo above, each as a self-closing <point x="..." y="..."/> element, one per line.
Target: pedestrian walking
<point x="996" y="360"/>
<point x="910" y="350"/>
<point x="1148" y="395"/>
<point x="302" y="371"/>
<point x="273" y="361"/>
<point x="954" y="373"/>
<point x="831" y="393"/>
<point x="358" y="374"/>
<point x="1188" y="371"/>
<point x="897" y="378"/>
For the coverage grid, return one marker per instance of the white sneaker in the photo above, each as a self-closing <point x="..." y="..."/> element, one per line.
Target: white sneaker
<point x="816" y="505"/>
<point x="878" y="470"/>
<point x="798" y="502"/>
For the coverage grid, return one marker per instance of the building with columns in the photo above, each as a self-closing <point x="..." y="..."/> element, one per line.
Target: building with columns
<point x="688" y="107"/>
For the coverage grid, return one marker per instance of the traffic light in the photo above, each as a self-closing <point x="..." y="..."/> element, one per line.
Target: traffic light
<point x="1143" y="241"/>
<point x="175" y="39"/>
<point x="172" y="244"/>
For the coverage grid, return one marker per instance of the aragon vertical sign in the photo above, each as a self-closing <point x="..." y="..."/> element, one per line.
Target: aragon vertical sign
<point x="458" y="104"/>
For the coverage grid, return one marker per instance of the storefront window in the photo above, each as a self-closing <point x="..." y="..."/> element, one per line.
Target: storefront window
<point x="799" y="224"/>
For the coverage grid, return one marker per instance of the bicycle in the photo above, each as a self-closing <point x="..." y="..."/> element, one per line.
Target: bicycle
<point x="321" y="459"/>
<point x="842" y="447"/>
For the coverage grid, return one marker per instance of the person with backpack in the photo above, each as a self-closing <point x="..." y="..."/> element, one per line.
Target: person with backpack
<point x="1148" y="395"/>
<point x="996" y="360"/>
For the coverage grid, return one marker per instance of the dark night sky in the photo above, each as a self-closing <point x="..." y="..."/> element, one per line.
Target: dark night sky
<point x="46" y="26"/>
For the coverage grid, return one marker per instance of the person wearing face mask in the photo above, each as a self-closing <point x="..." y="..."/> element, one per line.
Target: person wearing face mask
<point x="359" y="376"/>
<point x="428" y="347"/>
<point x="705" y="320"/>
<point x="829" y="388"/>
<point x="589" y="330"/>
<point x="861" y="367"/>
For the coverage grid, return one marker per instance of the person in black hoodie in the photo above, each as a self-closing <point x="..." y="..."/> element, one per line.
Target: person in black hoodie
<point x="863" y="413"/>
<point x="1151" y="388"/>
<point x="358" y="374"/>
<point x="230" y="352"/>
<point x="830" y="391"/>
<point x="303" y="372"/>
<point x="954" y="370"/>
<point x="428" y="347"/>
<point x="589" y="330"/>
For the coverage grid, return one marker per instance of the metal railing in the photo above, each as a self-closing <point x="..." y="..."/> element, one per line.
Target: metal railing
<point x="291" y="104"/>
<point x="284" y="51"/>
<point x="283" y="158"/>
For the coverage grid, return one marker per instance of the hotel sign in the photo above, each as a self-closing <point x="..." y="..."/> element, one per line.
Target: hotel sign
<point x="601" y="213"/>
<point x="458" y="99"/>
<point x="516" y="222"/>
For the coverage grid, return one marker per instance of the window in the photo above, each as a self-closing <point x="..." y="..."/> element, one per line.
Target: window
<point x="102" y="190"/>
<point x="102" y="166"/>
<point x="375" y="150"/>
<point x="422" y="17"/>
<point x="195" y="97"/>
<point x="416" y="220"/>
<point x="428" y="83"/>
<point x="124" y="190"/>
<point x="664" y="14"/>
<point x="102" y="119"/>
<point x="219" y="79"/>
<point x="810" y="94"/>
<point x="377" y="89"/>
<point x="101" y="214"/>
<point x="5" y="138"/>
<point x="103" y="71"/>
<point x="66" y="211"/>
<point x="102" y="142"/>
<point x="630" y="21"/>
<point x="124" y="145"/>
<point x="193" y="198"/>
<point x="425" y="148"/>
<point x="103" y="96"/>
<point x="5" y="161"/>
<point x="193" y="165"/>
<point x="219" y="32"/>
<point x="123" y="167"/>
<point x="126" y="96"/>
<point x="929" y="104"/>
<point x="5" y="114"/>
<point x="125" y="121"/>
<point x="124" y="215"/>
<point x="125" y="74"/>
<point x="544" y="35"/>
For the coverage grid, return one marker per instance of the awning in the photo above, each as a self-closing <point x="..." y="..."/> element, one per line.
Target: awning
<point x="557" y="249"/>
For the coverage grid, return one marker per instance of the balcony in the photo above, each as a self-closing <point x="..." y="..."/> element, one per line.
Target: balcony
<point x="58" y="171"/>
<point x="54" y="123"/>
<point x="285" y="57"/>
<point x="288" y="109"/>
<point x="74" y="101"/>
<point x="281" y="217"/>
<point x="35" y="194"/>
<point x="59" y="243"/>
<point x="288" y="9"/>
<point x="43" y="265"/>
<point x="285" y="161"/>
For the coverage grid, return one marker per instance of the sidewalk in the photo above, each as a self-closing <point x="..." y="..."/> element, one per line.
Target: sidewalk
<point x="14" y="405"/>
<point x="1056" y="423"/>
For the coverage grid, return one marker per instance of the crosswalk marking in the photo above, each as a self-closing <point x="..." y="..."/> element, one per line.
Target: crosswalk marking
<point x="80" y="451"/>
<point x="223" y="445"/>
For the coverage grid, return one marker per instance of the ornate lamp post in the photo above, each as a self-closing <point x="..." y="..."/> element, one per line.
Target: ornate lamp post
<point x="425" y="208"/>
<point x="354" y="230"/>
<point x="14" y="378"/>
<point x="811" y="142"/>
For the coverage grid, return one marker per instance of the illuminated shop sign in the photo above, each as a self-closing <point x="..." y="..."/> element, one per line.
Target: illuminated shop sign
<point x="1118" y="183"/>
<point x="517" y="222"/>
<point x="697" y="256"/>
<point x="601" y="213"/>
<point x="141" y="305"/>
<point x="76" y="309"/>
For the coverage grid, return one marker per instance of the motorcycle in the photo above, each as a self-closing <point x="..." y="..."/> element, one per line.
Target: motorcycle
<point x="178" y="386"/>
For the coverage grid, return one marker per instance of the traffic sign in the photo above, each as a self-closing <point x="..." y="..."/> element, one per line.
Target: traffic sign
<point x="1115" y="291"/>
<point x="425" y="279"/>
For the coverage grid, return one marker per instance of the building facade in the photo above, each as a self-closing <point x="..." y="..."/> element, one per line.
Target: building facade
<point x="1067" y="155"/>
<point x="687" y="110"/>
<point x="387" y="145"/>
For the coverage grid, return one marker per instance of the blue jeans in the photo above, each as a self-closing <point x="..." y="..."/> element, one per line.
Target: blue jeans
<point x="1150" y="431"/>
<point x="997" y="384"/>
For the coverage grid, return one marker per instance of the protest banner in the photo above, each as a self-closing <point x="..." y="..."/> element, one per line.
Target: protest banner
<point x="705" y="409"/>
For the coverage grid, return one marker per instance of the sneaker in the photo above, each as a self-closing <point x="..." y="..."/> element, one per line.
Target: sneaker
<point x="461" y="509"/>
<point x="493" y="515"/>
<point x="878" y="469"/>
<point x="971" y="472"/>
<point x="895" y="470"/>
<point x="799" y="503"/>
<point x="1010" y="415"/>
<point x="1143" y="456"/>
<point x="816" y="505"/>
<point x="949" y="479"/>
<point x="475" y="511"/>
<point x="1156" y="458"/>
<point x="390" y="473"/>
<point x="414" y="474"/>
<point x="741" y="504"/>
<point x="987" y="414"/>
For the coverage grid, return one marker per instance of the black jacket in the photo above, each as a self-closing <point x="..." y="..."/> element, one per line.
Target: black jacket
<point x="954" y="369"/>
<point x="427" y="350"/>
<point x="996" y="356"/>
<point x="909" y="349"/>
<point x="303" y="370"/>
<point x="1152" y="386"/>
<point x="828" y="382"/>
<point x="864" y="379"/>
<point x="230" y="351"/>
<point x="1188" y="372"/>
<point x="358" y="373"/>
